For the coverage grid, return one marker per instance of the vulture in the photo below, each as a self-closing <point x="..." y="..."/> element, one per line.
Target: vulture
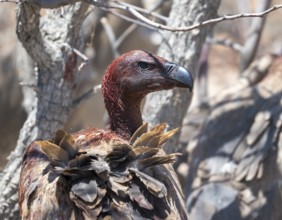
<point x="235" y="152"/>
<point x="120" y="172"/>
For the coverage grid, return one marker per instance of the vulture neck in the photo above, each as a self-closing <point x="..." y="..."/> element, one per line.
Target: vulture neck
<point x="125" y="114"/>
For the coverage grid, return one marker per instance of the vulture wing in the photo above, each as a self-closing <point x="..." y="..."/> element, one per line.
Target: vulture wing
<point x="87" y="176"/>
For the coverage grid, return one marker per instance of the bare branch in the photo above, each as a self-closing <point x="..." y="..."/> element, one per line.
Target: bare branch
<point x="250" y="77"/>
<point x="10" y="1"/>
<point x="162" y="106"/>
<point x="250" y="47"/>
<point x="126" y="18"/>
<point x="86" y="95"/>
<point x="202" y="73"/>
<point x="111" y="35"/>
<point x="225" y="42"/>
<point x="139" y="13"/>
<point x="124" y="6"/>
<point x="77" y="52"/>
<point x="31" y="86"/>
<point x="147" y="22"/>
<point x="133" y="26"/>
<point x="125" y="34"/>
<point x="144" y="21"/>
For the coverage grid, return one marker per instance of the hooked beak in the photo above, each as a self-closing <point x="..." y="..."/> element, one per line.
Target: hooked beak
<point x="179" y="74"/>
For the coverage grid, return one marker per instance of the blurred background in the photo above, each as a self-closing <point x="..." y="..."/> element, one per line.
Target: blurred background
<point x="223" y="62"/>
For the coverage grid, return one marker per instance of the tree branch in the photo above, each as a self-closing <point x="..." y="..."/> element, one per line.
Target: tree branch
<point x="155" y="25"/>
<point x="225" y="42"/>
<point x="86" y="95"/>
<point x="111" y="36"/>
<point x="184" y="48"/>
<point x="250" y="47"/>
<point x="55" y="77"/>
<point x="138" y="12"/>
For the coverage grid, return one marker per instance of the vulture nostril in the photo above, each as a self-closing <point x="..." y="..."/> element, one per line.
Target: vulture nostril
<point x="170" y="68"/>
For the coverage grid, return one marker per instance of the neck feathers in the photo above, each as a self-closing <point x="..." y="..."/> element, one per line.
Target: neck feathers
<point x="123" y="109"/>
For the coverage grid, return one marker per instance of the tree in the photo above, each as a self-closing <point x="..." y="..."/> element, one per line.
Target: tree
<point x="53" y="42"/>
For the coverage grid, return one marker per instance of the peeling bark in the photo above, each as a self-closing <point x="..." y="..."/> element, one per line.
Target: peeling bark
<point x="184" y="48"/>
<point x="45" y="39"/>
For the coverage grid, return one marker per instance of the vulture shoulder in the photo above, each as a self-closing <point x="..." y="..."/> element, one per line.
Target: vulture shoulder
<point x="95" y="174"/>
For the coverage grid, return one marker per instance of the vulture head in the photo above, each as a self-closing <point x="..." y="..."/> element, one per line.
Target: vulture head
<point x="130" y="78"/>
<point x="116" y="173"/>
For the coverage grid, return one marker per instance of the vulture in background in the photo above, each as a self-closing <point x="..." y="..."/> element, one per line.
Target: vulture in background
<point x="118" y="173"/>
<point x="235" y="154"/>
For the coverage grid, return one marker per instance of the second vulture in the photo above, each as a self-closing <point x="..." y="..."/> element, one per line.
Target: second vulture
<point x="118" y="173"/>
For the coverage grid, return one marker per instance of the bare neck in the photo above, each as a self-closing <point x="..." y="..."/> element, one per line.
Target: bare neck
<point x="125" y="115"/>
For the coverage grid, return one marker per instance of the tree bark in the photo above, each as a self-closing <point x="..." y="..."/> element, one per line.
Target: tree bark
<point x="184" y="48"/>
<point x="46" y="40"/>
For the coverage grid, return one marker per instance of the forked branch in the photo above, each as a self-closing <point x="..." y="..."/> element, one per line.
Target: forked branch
<point x="139" y="14"/>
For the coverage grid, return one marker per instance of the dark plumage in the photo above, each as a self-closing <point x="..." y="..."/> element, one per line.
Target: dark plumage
<point x="118" y="173"/>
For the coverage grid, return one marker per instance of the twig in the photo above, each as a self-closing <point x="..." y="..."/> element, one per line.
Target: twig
<point x="202" y="69"/>
<point x="79" y="54"/>
<point x="30" y="85"/>
<point x="250" y="77"/>
<point x="133" y="26"/>
<point x="124" y="6"/>
<point x="125" y="34"/>
<point x="249" y="49"/>
<point x="126" y="18"/>
<point x="147" y="22"/>
<point x="111" y="35"/>
<point x="11" y="1"/>
<point x="225" y="42"/>
<point x="86" y="95"/>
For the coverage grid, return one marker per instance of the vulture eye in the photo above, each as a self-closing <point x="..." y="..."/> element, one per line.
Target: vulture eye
<point x="143" y="65"/>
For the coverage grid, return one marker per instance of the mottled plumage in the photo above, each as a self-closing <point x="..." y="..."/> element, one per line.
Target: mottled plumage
<point x="93" y="174"/>
<point x="117" y="173"/>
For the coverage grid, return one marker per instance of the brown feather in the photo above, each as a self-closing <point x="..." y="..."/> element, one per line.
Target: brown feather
<point x="141" y="130"/>
<point x="59" y="135"/>
<point x="54" y="152"/>
<point x="118" y="173"/>
<point x="68" y="144"/>
<point x="154" y="186"/>
<point x="151" y="138"/>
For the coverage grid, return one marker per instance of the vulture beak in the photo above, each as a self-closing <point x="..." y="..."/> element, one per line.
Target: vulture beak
<point x="179" y="74"/>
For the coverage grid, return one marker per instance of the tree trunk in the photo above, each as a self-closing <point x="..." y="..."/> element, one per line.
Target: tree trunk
<point x="46" y="40"/>
<point x="184" y="48"/>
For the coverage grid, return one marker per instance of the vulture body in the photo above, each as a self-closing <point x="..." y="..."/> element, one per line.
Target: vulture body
<point x="118" y="173"/>
<point x="235" y="155"/>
